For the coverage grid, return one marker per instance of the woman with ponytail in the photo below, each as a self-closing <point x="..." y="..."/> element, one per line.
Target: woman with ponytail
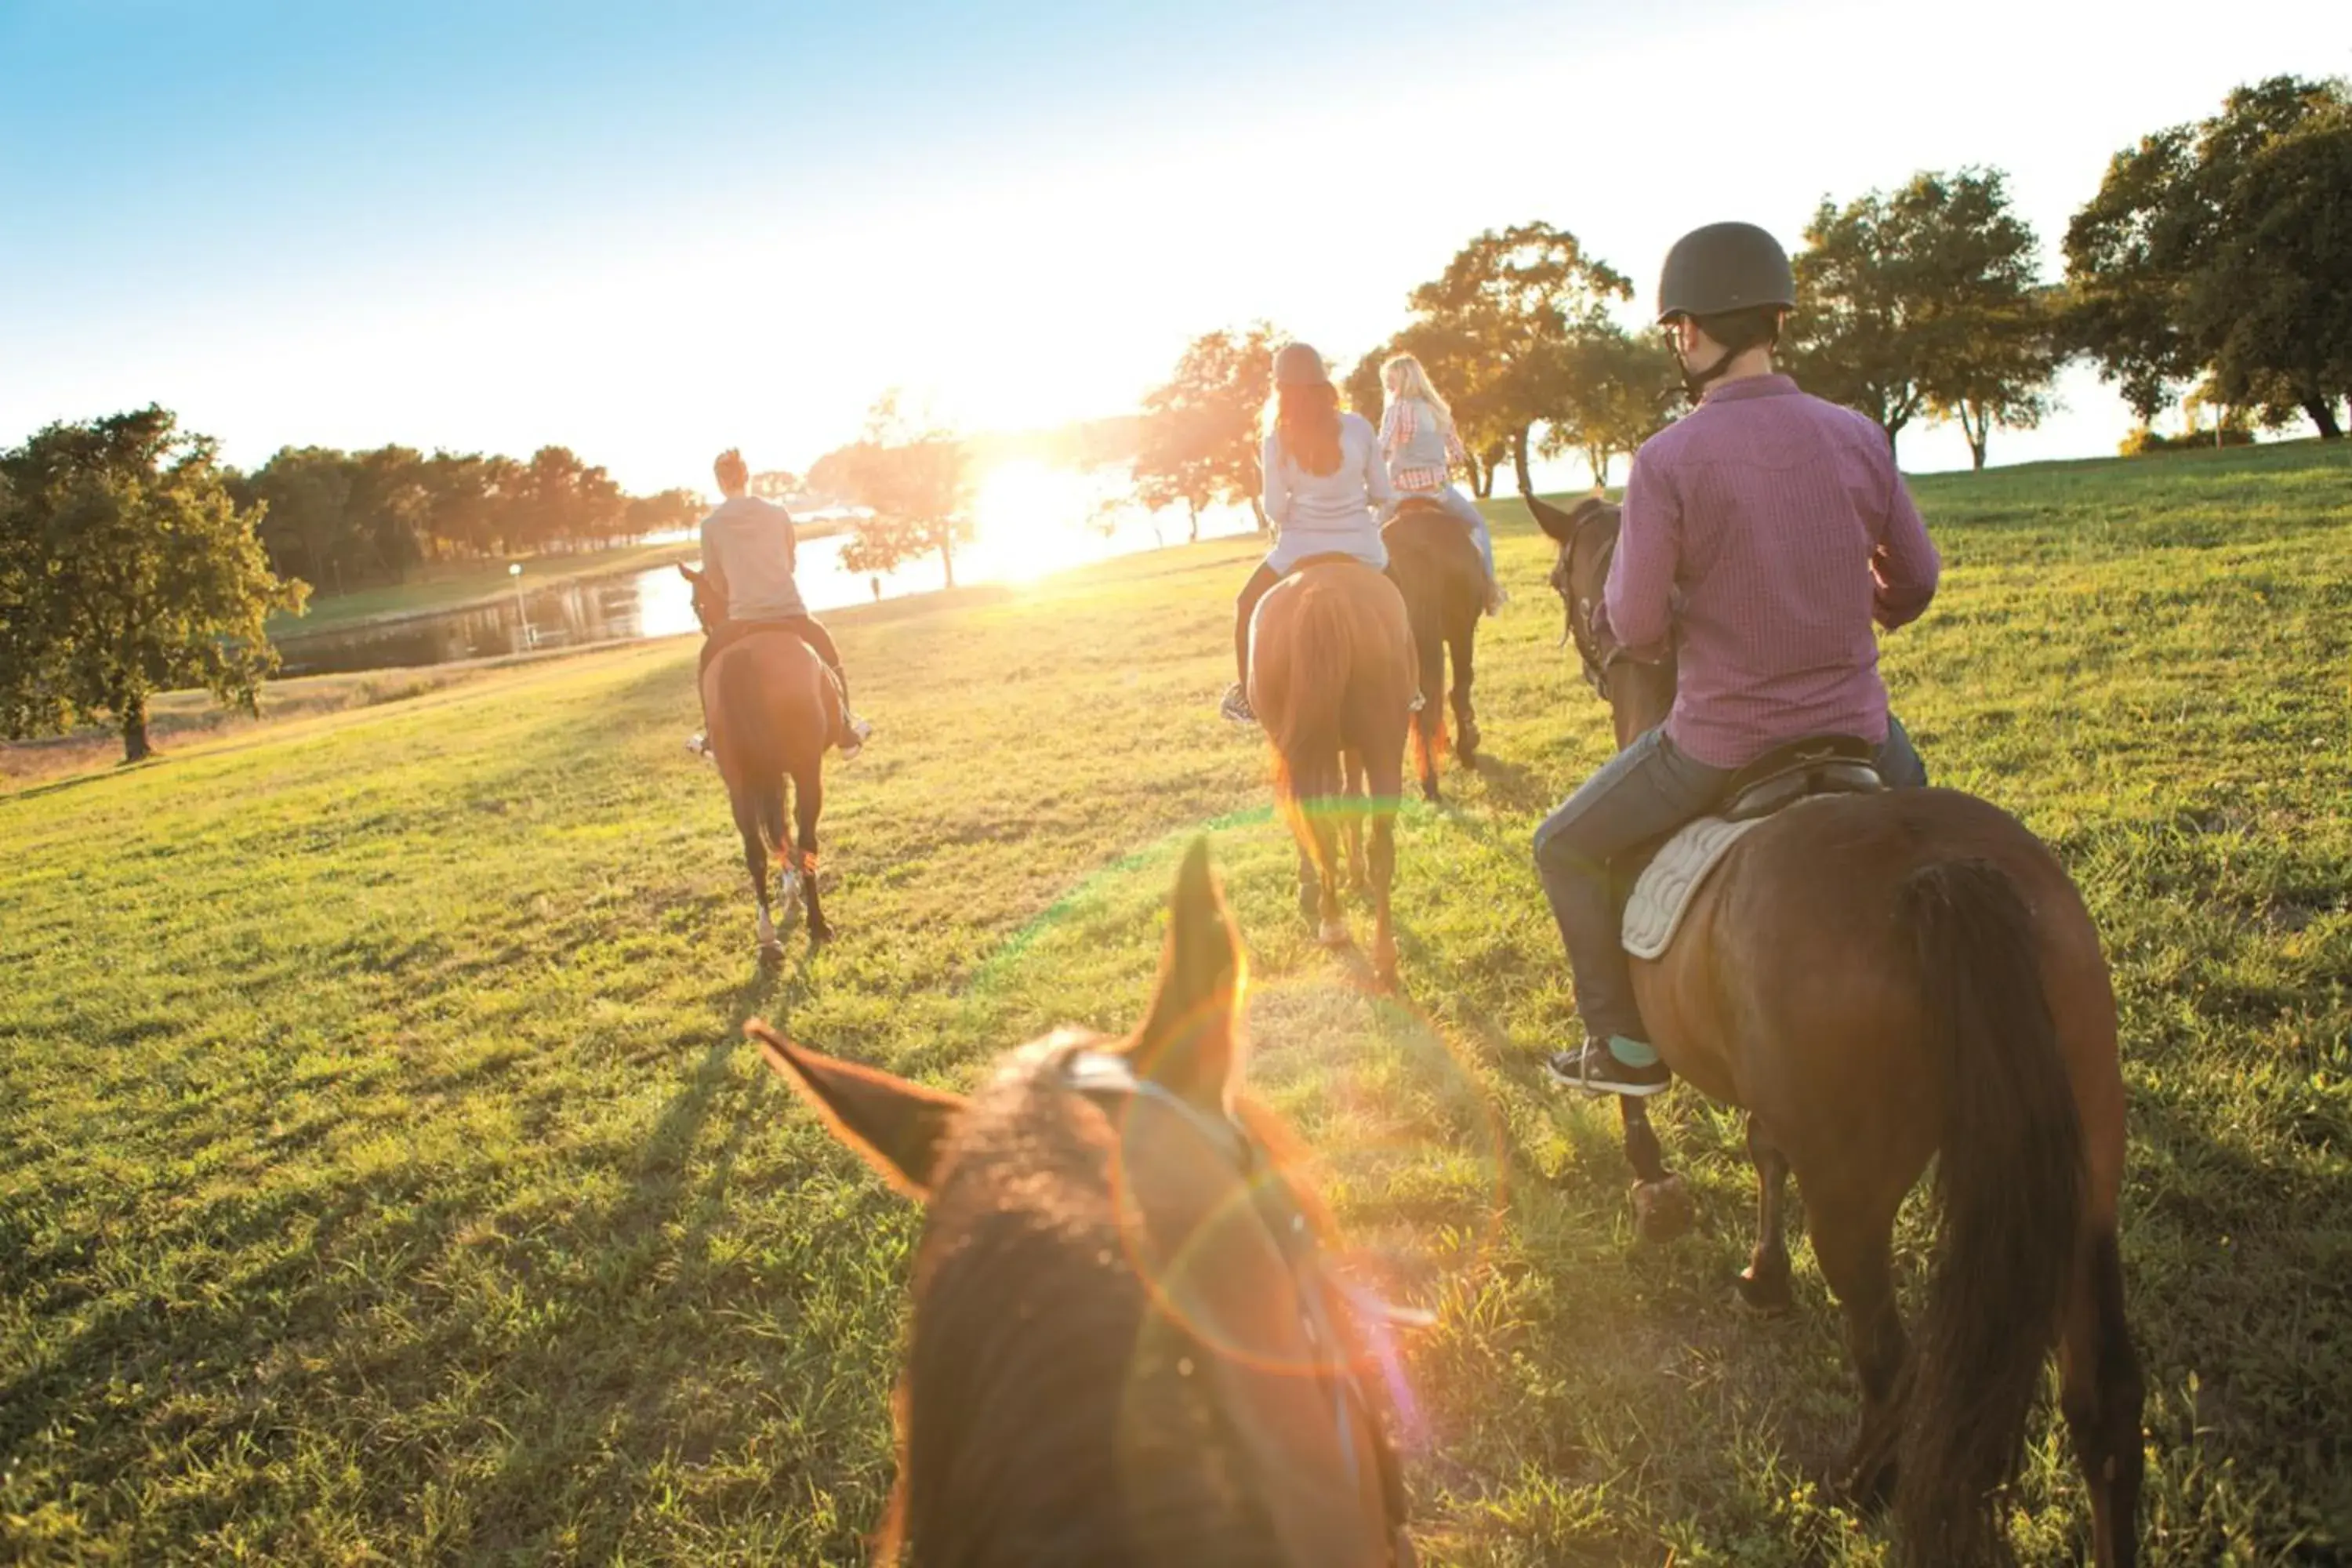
<point x="1327" y="493"/>
<point x="1417" y="437"/>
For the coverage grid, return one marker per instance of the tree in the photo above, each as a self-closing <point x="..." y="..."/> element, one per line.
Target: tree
<point x="664" y="513"/>
<point x="128" y="568"/>
<point x="1926" y="301"/>
<point x="916" y="481"/>
<point x="2219" y="249"/>
<point x="1493" y="330"/>
<point x="1616" y="390"/>
<point x="1201" y="437"/>
<point x="1366" y="394"/>
<point x="2004" y="378"/>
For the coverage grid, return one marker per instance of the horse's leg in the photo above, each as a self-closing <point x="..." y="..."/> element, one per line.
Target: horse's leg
<point x="808" y="800"/>
<point x="1465" y="720"/>
<point x="1764" y="1284"/>
<point x="2100" y="1391"/>
<point x="1330" y="924"/>
<point x="1429" y="718"/>
<point x="1354" y="821"/>
<point x="1384" y="777"/>
<point x="1662" y="1205"/>
<point x="1853" y="1242"/>
<point x="755" y="861"/>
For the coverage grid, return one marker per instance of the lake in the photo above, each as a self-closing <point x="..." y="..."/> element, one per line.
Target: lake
<point x="1030" y="521"/>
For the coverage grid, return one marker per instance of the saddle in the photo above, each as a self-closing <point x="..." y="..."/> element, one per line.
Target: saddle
<point x="1662" y="879"/>
<point x="1328" y="558"/>
<point x="1822" y="764"/>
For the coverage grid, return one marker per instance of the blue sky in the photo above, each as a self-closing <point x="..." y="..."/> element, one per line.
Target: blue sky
<point x="649" y="232"/>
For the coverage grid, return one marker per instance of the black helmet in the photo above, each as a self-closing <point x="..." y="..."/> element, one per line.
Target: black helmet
<point x="1725" y="266"/>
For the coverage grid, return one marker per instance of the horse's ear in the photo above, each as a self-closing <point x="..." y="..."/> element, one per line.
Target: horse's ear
<point x="900" y="1128"/>
<point x="1194" y="1041"/>
<point x="688" y="572"/>
<point x="1555" y="522"/>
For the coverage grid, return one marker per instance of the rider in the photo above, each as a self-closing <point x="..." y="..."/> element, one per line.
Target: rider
<point x="1762" y="534"/>
<point x="1417" y="437"/>
<point x="1327" y="493"/>
<point x="750" y="544"/>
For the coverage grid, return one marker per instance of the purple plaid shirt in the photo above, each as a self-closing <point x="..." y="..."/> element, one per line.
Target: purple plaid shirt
<point x="1763" y="533"/>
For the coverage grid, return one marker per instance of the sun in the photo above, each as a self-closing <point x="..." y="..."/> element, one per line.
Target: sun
<point x="1029" y="520"/>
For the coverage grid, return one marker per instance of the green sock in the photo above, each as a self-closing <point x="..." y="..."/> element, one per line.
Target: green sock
<point x="1632" y="1053"/>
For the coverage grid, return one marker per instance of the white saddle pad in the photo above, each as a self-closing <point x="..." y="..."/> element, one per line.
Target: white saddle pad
<point x="1654" y="912"/>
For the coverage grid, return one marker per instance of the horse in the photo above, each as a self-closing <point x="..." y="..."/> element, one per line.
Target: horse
<point x="1332" y="679"/>
<point x="1129" y="1345"/>
<point x="1434" y="563"/>
<point x="1880" y="979"/>
<point x="773" y="709"/>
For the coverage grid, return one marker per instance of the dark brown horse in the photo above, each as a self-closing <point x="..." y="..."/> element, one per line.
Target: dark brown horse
<point x="1883" y="980"/>
<point x="773" y="709"/>
<point x="1332" y="677"/>
<point x="1127" y="1344"/>
<point x="1436" y="564"/>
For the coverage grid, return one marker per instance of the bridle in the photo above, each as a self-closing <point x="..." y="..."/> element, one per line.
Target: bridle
<point x="1110" y="1081"/>
<point x="1597" y="659"/>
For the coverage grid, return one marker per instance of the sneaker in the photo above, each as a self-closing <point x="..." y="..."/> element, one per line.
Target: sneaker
<point x="1495" y="599"/>
<point x="852" y="739"/>
<point x="1595" y="1069"/>
<point x="698" y="744"/>
<point x="1235" y="707"/>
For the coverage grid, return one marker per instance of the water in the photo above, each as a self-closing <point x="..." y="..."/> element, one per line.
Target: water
<point x="1031" y="520"/>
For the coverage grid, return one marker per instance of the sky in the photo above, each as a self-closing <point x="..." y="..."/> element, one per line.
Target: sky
<point x="648" y="232"/>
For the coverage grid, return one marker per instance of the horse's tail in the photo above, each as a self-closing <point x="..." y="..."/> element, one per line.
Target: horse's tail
<point x="1309" y="669"/>
<point x="1425" y="612"/>
<point x="742" y="709"/>
<point x="2011" y="1184"/>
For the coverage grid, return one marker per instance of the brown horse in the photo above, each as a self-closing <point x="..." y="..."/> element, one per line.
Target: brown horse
<point x="1435" y="564"/>
<point x="1881" y="980"/>
<point x="773" y="709"/>
<point x="1127" y="1344"/>
<point x="1332" y="677"/>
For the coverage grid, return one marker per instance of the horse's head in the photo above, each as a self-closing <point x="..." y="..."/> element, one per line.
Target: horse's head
<point x="1639" y="693"/>
<point x="709" y="595"/>
<point x="1127" y="1346"/>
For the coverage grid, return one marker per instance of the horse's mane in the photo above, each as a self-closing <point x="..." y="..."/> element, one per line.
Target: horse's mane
<point x="1045" y="1417"/>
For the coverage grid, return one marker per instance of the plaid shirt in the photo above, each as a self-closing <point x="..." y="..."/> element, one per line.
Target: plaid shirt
<point x="1398" y="428"/>
<point x="1763" y="533"/>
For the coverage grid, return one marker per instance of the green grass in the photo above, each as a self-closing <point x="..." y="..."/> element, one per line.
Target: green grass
<point x="382" y="1179"/>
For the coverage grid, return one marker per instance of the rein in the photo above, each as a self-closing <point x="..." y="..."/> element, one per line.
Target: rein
<point x="1597" y="659"/>
<point x="1107" y="1079"/>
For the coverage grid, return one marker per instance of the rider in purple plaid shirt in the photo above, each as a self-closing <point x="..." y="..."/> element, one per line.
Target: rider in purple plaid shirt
<point x="1762" y="536"/>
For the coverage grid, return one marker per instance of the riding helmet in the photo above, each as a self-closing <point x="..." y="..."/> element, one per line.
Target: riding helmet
<point x="1725" y="266"/>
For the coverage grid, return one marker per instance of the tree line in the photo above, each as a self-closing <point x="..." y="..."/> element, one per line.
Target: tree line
<point x="342" y="519"/>
<point x="2209" y="266"/>
<point x="2210" y="263"/>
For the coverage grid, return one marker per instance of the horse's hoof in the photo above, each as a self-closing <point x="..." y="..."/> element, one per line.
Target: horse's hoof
<point x="1662" y="1209"/>
<point x="772" y="951"/>
<point x="1767" y="1293"/>
<point x="820" y="935"/>
<point x="1332" y="933"/>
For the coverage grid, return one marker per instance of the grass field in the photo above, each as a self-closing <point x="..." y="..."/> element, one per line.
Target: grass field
<point x="383" y="1180"/>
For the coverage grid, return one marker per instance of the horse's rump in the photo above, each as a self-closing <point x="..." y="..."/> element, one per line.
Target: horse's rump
<point x="772" y="703"/>
<point x="1331" y="657"/>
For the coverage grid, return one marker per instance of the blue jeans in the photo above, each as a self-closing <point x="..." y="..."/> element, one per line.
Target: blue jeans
<point x="1643" y="792"/>
<point x="1462" y="507"/>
